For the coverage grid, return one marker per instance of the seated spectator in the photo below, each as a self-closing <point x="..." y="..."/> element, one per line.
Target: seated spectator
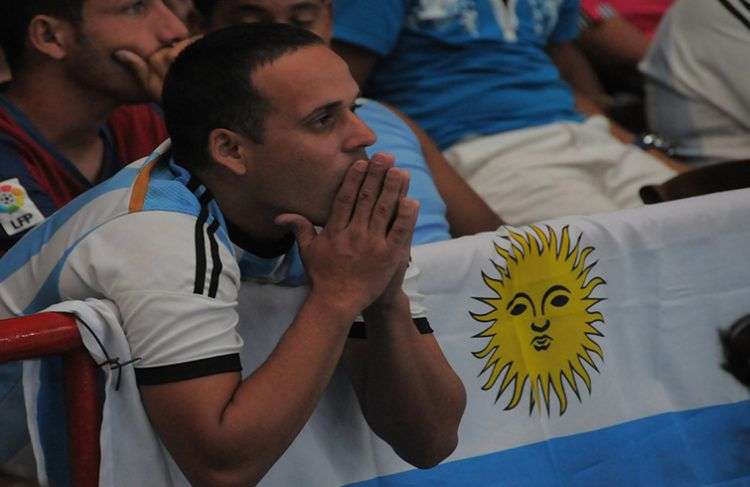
<point x="66" y="118"/>
<point x="68" y="122"/>
<point x="466" y="212"/>
<point x="265" y="145"/>
<point x="478" y="78"/>
<point x="697" y="94"/>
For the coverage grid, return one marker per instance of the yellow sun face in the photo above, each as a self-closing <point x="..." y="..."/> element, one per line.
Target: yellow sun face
<point x="541" y="323"/>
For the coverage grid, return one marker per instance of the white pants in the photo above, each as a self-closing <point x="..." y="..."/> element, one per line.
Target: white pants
<point x="556" y="170"/>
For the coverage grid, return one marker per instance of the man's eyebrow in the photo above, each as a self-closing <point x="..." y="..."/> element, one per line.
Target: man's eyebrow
<point x="323" y="108"/>
<point x="306" y="6"/>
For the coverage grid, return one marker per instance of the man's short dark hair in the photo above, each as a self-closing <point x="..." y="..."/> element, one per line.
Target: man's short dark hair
<point x="209" y="85"/>
<point x="15" y="17"/>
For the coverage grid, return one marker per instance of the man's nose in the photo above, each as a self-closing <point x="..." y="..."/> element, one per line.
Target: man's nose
<point x="170" y="28"/>
<point x="360" y="135"/>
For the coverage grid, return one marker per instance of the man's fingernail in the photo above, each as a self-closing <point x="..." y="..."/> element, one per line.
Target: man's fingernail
<point x="360" y="166"/>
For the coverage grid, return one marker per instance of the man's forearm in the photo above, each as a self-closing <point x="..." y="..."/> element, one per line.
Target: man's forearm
<point x="411" y="396"/>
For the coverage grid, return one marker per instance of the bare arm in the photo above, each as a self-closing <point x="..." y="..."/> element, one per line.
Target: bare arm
<point x="222" y="430"/>
<point x="467" y="212"/>
<point x="409" y="394"/>
<point x="614" y="42"/>
<point x="577" y="72"/>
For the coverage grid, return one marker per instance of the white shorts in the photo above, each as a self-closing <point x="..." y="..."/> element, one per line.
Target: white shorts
<point x="555" y="170"/>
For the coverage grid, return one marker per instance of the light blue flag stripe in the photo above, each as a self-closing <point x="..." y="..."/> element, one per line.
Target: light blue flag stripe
<point x="706" y="446"/>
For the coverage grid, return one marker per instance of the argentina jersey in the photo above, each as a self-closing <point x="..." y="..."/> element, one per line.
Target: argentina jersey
<point x="153" y="241"/>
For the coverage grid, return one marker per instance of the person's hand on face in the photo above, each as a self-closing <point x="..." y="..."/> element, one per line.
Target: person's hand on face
<point x="364" y="248"/>
<point x="151" y="71"/>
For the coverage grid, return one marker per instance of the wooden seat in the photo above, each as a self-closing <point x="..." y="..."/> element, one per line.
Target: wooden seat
<point x="46" y="334"/>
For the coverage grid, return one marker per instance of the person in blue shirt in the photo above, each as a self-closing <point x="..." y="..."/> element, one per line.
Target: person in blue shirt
<point x="482" y="78"/>
<point x="449" y="207"/>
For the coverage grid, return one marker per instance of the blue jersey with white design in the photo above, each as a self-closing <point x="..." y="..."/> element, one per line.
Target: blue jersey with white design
<point x="462" y="68"/>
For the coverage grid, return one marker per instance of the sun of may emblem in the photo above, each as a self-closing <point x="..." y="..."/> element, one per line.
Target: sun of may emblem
<point x="541" y="323"/>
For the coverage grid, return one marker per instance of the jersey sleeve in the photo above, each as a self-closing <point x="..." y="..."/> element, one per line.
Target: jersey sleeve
<point x="567" y="26"/>
<point x="373" y="25"/>
<point x="175" y="286"/>
<point x="34" y="197"/>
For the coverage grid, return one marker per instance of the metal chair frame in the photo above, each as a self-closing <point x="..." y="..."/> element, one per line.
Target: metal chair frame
<point x="46" y="334"/>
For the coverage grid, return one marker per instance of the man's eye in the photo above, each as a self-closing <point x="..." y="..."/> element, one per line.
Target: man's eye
<point x="135" y="7"/>
<point x="356" y="106"/>
<point x="323" y="121"/>
<point x="303" y="23"/>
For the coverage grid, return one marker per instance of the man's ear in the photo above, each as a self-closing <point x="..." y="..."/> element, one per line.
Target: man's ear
<point x="51" y="36"/>
<point x="229" y="149"/>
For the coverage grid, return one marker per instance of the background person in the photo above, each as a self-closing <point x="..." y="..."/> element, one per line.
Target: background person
<point x="479" y="77"/>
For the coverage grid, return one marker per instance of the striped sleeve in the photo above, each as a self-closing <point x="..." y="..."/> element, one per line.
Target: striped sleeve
<point x="175" y="284"/>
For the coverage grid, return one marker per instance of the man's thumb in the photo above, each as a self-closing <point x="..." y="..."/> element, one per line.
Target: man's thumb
<point x="134" y="62"/>
<point x="301" y="226"/>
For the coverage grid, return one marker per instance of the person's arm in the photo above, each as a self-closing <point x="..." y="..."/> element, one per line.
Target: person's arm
<point x="614" y="42"/>
<point x="467" y="212"/>
<point x="222" y="430"/>
<point x="577" y="72"/>
<point x="409" y="394"/>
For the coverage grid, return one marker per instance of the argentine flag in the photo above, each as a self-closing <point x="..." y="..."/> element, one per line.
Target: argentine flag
<point x="588" y="347"/>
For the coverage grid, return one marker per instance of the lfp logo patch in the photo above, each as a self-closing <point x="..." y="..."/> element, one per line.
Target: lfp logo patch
<point x="12" y="198"/>
<point x="542" y="328"/>
<point x="17" y="212"/>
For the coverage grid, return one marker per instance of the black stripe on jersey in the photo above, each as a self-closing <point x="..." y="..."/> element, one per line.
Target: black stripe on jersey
<point x="216" y="266"/>
<point x="189" y="370"/>
<point x="359" y="329"/>
<point x="736" y="13"/>
<point x="193" y="184"/>
<point x="200" y="245"/>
